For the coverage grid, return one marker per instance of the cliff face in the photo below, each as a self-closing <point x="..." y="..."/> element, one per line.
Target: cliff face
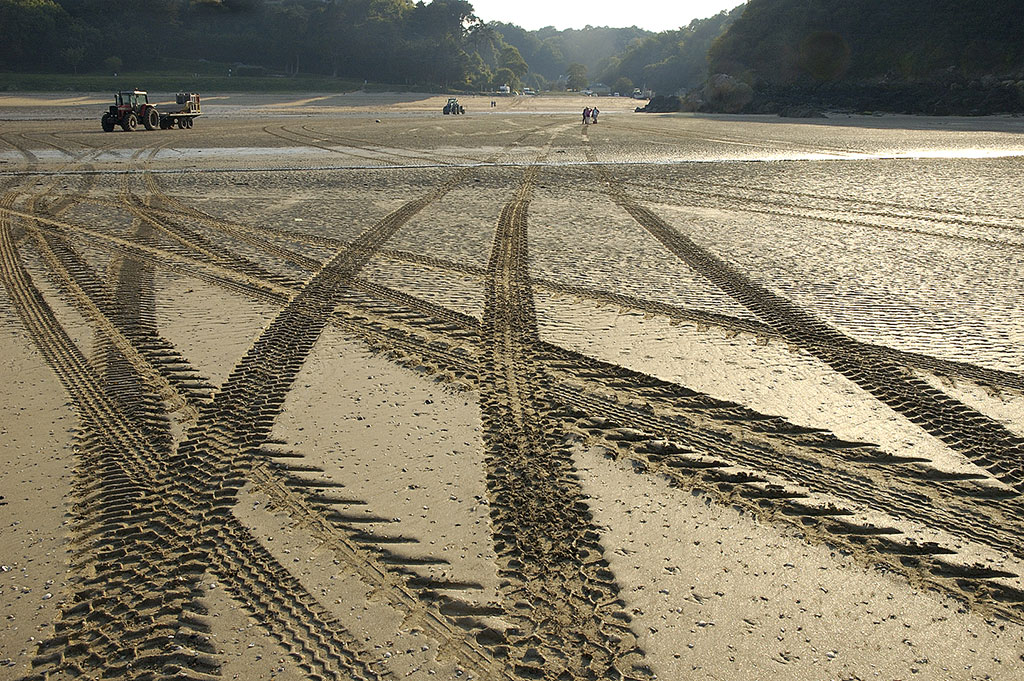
<point x="931" y="56"/>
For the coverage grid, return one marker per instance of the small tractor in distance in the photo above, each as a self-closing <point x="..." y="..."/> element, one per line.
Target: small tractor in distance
<point x="453" y="107"/>
<point x="132" y="107"/>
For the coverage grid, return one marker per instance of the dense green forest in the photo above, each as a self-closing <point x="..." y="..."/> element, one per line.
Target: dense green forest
<point x="392" y="41"/>
<point x="670" y="61"/>
<point x="934" y="56"/>
<point x="549" y="51"/>
<point x="437" y="44"/>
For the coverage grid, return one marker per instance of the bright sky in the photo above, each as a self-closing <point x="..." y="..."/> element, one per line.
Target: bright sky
<point x="653" y="15"/>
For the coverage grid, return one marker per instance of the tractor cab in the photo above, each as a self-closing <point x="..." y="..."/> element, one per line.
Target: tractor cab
<point x="131" y="99"/>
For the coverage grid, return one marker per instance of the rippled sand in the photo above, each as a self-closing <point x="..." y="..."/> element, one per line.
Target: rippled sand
<point x="501" y="395"/>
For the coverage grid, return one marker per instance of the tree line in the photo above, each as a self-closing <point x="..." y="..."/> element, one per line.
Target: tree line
<point x="439" y="43"/>
<point x="940" y="56"/>
<point x="920" y="56"/>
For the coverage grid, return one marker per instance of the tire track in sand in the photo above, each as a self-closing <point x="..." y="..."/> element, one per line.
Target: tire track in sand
<point x="558" y="590"/>
<point x="248" y="571"/>
<point x="153" y="534"/>
<point x="780" y="472"/>
<point x="225" y="446"/>
<point x="981" y="439"/>
<point x="410" y="347"/>
<point x="107" y="626"/>
<point x="257" y="236"/>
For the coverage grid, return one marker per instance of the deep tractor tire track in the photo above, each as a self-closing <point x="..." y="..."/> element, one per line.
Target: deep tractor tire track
<point x="558" y="590"/>
<point x="299" y="623"/>
<point x="258" y="237"/>
<point x="342" y="539"/>
<point x="912" y="507"/>
<point x="981" y="439"/>
<point x="133" y="514"/>
<point x="231" y="430"/>
<point x="691" y="439"/>
<point x="105" y="614"/>
<point x="721" y="449"/>
<point x="784" y="208"/>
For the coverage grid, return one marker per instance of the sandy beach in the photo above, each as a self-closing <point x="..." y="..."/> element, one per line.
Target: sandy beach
<point x="339" y="387"/>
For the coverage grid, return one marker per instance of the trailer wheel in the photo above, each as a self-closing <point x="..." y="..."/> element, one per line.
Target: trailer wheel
<point x="189" y="122"/>
<point x="107" y="122"/>
<point x="181" y="123"/>
<point x="151" y="119"/>
<point x="129" y="122"/>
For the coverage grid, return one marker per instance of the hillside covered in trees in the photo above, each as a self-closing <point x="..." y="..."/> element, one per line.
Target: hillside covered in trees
<point x="394" y="41"/>
<point x="932" y="56"/>
<point x="439" y="43"/>
<point x="549" y="51"/>
<point x="670" y="61"/>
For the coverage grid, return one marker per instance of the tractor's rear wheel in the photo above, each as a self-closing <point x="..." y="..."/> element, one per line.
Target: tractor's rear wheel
<point x="107" y="122"/>
<point x="129" y="122"/>
<point x="151" y="119"/>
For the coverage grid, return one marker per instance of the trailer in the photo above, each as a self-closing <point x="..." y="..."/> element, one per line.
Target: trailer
<point x="132" y="107"/>
<point x="183" y="114"/>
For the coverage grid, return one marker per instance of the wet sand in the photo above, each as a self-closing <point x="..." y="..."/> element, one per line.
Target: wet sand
<point x="338" y="386"/>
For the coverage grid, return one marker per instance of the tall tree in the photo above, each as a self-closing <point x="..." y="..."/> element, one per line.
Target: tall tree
<point x="514" y="62"/>
<point x="576" y="76"/>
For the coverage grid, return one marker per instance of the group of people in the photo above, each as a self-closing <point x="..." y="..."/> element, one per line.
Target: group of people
<point x="590" y="115"/>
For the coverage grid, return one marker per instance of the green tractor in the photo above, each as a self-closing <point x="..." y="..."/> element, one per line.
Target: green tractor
<point x="453" y="107"/>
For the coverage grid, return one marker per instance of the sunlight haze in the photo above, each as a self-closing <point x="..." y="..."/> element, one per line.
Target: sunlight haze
<point x="653" y="15"/>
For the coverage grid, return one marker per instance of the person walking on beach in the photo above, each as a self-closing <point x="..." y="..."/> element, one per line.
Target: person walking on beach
<point x="586" y="115"/>
<point x="593" y="115"/>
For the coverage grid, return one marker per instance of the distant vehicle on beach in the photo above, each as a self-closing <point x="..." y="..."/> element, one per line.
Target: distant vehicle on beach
<point x="453" y="107"/>
<point x="132" y="107"/>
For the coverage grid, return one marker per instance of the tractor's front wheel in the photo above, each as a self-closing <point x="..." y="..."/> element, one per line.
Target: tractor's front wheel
<point x="151" y="119"/>
<point x="107" y="122"/>
<point x="130" y="122"/>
